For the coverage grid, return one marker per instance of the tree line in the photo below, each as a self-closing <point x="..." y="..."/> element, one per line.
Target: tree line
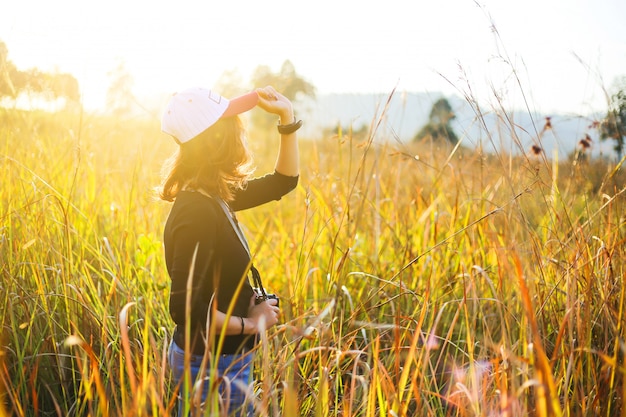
<point x="611" y="127"/>
<point x="51" y="86"/>
<point x="48" y="85"/>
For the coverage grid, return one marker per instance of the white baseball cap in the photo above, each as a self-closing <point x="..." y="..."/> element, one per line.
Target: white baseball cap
<point x="192" y="111"/>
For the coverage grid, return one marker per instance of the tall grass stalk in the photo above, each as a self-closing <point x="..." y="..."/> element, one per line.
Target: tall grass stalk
<point x="415" y="279"/>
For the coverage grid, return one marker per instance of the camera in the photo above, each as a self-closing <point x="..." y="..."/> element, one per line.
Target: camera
<point x="260" y="296"/>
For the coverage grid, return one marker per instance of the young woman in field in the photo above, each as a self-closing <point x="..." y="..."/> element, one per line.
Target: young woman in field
<point x="206" y="259"/>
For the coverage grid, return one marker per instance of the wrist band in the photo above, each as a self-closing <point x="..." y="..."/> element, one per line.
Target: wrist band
<point x="242" y="326"/>
<point x="290" y="128"/>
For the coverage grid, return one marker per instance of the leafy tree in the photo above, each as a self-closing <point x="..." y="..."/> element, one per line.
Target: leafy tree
<point x="438" y="126"/>
<point x="230" y="84"/>
<point x="613" y="126"/>
<point x="120" y="99"/>
<point x="49" y="85"/>
<point x="7" y="73"/>
<point x="287" y="81"/>
<point x="67" y="86"/>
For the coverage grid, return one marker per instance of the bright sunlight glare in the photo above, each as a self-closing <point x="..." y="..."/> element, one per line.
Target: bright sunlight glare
<point x="561" y="53"/>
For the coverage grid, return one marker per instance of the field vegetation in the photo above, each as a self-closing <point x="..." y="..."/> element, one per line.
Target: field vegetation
<point x="416" y="279"/>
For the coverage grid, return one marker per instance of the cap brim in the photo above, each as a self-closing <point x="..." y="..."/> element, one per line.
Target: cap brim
<point x="241" y="104"/>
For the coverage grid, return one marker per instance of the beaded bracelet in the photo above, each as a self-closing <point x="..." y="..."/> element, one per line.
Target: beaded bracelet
<point x="290" y="128"/>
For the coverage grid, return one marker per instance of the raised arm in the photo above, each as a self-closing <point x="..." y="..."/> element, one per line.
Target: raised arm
<point x="287" y="162"/>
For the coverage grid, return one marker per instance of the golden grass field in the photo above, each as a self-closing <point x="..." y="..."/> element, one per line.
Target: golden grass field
<point x="415" y="280"/>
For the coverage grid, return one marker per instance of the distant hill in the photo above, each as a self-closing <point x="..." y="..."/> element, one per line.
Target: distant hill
<point x="408" y="112"/>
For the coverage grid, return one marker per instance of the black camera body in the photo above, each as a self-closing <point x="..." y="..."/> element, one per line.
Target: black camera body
<point x="259" y="297"/>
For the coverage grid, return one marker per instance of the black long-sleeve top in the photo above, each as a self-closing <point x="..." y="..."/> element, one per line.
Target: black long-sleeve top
<point x="197" y="220"/>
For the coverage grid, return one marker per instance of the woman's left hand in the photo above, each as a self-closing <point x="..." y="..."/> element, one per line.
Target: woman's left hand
<point x="273" y="102"/>
<point x="263" y="315"/>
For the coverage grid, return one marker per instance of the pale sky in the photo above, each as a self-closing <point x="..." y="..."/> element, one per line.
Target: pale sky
<point x="563" y="51"/>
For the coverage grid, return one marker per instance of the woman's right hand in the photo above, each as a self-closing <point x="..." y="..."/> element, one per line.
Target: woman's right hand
<point x="263" y="315"/>
<point x="272" y="101"/>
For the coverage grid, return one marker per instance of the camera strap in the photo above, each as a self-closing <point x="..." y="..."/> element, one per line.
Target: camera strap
<point x="256" y="276"/>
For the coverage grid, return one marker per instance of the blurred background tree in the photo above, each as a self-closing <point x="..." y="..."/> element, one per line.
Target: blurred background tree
<point x="48" y="86"/>
<point x="286" y="81"/>
<point x="231" y="84"/>
<point x="8" y="73"/>
<point x="438" y="128"/>
<point x="613" y="126"/>
<point x="120" y="99"/>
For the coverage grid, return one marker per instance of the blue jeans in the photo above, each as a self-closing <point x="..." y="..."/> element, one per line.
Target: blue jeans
<point x="234" y="376"/>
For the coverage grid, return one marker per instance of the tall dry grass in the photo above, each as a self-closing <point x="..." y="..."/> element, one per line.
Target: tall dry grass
<point x="415" y="280"/>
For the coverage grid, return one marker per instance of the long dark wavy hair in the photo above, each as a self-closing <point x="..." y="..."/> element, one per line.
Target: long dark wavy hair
<point x="216" y="161"/>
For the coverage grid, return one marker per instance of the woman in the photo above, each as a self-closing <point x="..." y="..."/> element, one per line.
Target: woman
<point x="207" y="262"/>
